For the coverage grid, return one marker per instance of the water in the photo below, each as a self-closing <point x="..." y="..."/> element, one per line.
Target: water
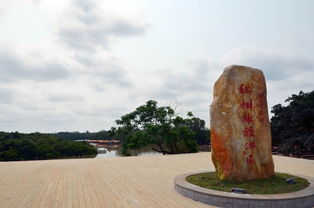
<point x="114" y="152"/>
<point x="108" y="153"/>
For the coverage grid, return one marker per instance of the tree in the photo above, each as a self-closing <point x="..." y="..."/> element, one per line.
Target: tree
<point x="156" y="127"/>
<point x="197" y="125"/>
<point x="293" y="126"/>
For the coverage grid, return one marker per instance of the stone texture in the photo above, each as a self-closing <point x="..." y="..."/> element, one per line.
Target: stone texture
<point x="240" y="129"/>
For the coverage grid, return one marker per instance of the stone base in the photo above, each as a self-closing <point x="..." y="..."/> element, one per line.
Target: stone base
<point x="299" y="199"/>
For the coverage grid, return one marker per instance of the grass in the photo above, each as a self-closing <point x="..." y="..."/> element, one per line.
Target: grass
<point x="274" y="185"/>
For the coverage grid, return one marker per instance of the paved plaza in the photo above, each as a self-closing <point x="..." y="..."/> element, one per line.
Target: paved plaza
<point x="111" y="182"/>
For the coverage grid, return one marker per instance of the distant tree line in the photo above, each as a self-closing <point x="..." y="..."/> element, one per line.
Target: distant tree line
<point x="35" y="146"/>
<point x="101" y="135"/>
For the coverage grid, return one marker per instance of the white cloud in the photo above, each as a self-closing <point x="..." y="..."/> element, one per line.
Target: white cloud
<point x="70" y="79"/>
<point x="6" y="96"/>
<point x="60" y="85"/>
<point x="14" y="66"/>
<point x="277" y="64"/>
<point x="88" y="26"/>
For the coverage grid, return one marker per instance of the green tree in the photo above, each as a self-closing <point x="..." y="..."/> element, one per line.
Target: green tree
<point x="293" y="126"/>
<point x="197" y="125"/>
<point x="156" y="127"/>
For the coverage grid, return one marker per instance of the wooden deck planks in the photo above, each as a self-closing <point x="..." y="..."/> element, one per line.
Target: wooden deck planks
<point x="131" y="182"/>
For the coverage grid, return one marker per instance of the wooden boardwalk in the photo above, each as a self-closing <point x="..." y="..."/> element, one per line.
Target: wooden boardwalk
<point x="133" y="182"/>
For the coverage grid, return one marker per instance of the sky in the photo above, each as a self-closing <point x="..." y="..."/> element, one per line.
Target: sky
<point x="79" y="65"/>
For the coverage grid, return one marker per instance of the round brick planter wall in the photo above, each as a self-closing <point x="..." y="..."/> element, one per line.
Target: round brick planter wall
<point x="299" y="199"/>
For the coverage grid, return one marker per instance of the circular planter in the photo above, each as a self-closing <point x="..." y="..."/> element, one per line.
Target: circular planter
<point x="299" y="199"/>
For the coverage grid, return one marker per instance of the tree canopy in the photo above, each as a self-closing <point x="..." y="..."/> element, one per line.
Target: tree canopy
<point x="159" y="128"/>
<point x="293" y="125"/>
<point x="35" y="146"/>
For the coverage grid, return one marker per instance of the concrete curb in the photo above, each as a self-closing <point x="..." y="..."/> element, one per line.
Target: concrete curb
<point x="299" y="199"/>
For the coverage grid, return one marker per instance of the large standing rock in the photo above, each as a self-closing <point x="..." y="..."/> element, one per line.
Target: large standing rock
<point x="240" y="130"/>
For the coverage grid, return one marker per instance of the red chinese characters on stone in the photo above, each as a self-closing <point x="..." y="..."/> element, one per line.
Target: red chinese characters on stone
<point x="250" y="159"/>
<point x="244" y="89"/>
<point x="248" y="132"/>
<point x="247" y="118"/>
<point x="246" y="104"/>
<point x="250" y="145"/>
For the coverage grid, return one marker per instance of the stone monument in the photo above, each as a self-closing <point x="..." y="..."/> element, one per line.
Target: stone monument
<point x="240" y="129"/>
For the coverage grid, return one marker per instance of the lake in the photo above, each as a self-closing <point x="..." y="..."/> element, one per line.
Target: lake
<point x="109" y="152"/>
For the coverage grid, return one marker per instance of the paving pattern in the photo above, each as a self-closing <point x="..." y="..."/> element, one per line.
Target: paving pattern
<point x="133" y="182"/>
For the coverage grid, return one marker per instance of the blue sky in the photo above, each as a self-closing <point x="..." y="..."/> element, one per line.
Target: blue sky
<point x="79" y="65"/>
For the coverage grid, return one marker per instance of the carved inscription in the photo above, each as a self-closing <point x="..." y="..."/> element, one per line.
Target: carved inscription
<point x="247" y="118"/>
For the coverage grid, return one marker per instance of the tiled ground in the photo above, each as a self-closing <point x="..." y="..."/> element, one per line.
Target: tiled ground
<point x="111" y="182"/>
